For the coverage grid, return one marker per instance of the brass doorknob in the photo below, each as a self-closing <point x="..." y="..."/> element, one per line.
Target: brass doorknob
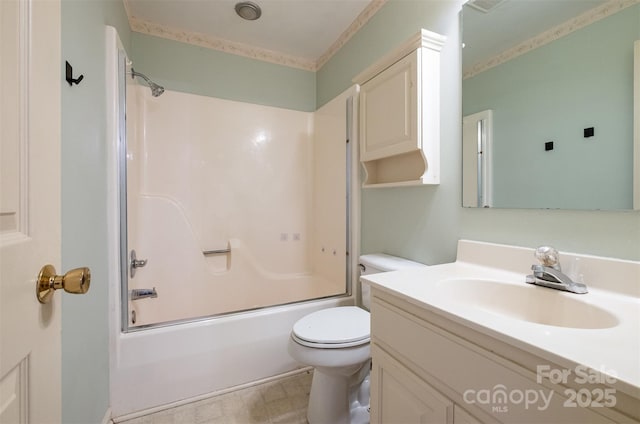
<point x="75" y="281"/>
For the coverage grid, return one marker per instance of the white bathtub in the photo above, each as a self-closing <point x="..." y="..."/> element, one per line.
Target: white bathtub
<point x="156" y="367"/>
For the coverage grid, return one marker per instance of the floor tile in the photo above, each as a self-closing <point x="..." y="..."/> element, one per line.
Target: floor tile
<point x="280" y="401"/>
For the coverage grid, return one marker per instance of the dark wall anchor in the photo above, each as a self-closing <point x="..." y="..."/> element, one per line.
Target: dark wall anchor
<point x="69" y="76"/>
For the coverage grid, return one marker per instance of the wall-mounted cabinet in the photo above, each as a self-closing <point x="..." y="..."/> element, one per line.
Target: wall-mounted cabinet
<point x="400" y="114"/>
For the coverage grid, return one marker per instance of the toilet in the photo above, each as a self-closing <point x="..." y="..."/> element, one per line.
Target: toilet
<point x="335" y="341"/>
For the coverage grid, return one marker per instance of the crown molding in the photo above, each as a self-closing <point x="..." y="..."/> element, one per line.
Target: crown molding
<point x="587" y="18"/>
<point x="240" y="49"/>
<point x="364" y="17"/>
<point x="422" y="39"/>
<point x="210" y="42"/>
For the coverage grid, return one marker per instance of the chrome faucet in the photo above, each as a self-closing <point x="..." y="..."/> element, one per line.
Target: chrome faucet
<point x="548" y="273"/>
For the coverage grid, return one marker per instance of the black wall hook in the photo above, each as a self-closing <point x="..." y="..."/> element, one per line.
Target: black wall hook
<point x="70" y="78"/>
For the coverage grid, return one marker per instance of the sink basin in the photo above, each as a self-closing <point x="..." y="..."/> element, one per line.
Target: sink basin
<point x="526" y="302"/>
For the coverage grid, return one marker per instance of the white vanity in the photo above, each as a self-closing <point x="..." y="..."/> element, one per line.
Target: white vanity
<point x="471" y="342"/>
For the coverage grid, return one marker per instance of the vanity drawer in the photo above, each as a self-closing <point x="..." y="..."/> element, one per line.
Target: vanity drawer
<point x="471" y="376"/>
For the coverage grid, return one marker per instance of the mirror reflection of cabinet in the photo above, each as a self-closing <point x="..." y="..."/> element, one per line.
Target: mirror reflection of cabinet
<point x="399" y="115"/>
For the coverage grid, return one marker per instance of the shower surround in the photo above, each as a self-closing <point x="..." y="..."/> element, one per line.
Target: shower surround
<point x="211" y="174"/>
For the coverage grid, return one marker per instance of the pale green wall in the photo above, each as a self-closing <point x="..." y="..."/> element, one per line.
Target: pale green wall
<point x="85" y="324"/>
<point x="191" y="69"/>
<point x="551" y="94"/>
<point x="424" y="223"/>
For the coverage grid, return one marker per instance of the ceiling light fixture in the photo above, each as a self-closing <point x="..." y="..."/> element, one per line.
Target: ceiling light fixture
<point x="248" y="10"/>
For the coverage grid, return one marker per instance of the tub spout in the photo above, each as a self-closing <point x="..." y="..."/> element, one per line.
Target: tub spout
<point x="136" y="294"/>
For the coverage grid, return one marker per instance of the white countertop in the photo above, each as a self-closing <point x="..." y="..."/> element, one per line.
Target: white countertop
<point x="612" y="351"/>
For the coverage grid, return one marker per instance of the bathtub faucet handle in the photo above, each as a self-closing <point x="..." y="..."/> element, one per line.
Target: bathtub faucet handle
<point x="134" y="263"/>
<point x="139" y="263"/>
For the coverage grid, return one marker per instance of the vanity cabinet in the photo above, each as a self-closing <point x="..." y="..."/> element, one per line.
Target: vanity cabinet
<point x="427" y="368"/>
<point x="403" y="397"/>
<point x="399" y="118"/>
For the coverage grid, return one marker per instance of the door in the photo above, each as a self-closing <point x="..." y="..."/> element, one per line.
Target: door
<point x="477" y="172"/>
<point x="30" y="81"/>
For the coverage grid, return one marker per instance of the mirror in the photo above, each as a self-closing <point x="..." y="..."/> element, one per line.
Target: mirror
<point x="548" y="104"/>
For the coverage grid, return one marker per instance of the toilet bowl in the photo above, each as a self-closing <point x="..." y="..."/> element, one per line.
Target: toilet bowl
<point x="335" y="341"/>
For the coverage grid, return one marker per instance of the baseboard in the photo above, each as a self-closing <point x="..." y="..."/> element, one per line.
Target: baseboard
<point x="107" y="417"/>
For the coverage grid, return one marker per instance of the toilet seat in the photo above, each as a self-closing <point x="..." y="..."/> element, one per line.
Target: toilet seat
<point x="333" y="328"/>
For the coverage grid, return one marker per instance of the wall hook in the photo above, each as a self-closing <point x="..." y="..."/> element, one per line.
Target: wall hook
<point x="70" y="78"/>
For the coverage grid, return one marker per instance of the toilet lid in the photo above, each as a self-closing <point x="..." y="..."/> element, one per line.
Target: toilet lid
<point x="343" y="326"/>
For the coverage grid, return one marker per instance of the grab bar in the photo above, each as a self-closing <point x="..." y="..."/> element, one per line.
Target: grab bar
<point x="216" y="252"/>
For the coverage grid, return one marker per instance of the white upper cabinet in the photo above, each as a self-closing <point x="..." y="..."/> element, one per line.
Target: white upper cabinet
<point x="388" y="114"/>
<point x="400" y="114"/>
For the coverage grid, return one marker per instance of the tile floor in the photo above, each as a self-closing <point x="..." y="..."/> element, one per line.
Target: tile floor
<point x="279" y="401"/>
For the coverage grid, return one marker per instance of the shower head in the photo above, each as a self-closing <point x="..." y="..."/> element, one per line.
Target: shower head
<point x="156" y="89"/>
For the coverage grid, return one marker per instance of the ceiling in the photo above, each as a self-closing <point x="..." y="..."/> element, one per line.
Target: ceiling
<point x="303" y="29"/>
<point x="304" y="33"/>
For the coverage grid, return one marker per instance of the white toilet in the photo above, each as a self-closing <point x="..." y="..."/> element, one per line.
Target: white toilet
<point x="335" y="341"/>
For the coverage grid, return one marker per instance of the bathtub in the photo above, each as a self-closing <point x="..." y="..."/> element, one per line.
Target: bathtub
<point x="161" y="367"/>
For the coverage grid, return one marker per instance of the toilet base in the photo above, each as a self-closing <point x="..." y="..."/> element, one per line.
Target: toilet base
<point x="338" y="398"/>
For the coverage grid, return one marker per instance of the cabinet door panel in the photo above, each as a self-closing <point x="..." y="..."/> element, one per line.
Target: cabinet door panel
<point x="460" y="416"/>
<point x="399" y="396"/>
<point x="389" y="111"/>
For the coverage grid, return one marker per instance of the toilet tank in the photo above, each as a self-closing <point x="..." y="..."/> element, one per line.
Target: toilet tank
<point x="381" y="262"/>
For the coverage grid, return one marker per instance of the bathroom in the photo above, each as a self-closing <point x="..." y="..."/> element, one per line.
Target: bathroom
<point x="420" y="223"/>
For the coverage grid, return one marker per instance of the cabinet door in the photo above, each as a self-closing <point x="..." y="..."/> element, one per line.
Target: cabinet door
<point x="398" y="396"/>
<point x="389" y="111"/>
<point x="460" y="416"/>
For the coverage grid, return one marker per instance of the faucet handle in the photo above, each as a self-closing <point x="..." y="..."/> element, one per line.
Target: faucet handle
<point x="548" y="256"/>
